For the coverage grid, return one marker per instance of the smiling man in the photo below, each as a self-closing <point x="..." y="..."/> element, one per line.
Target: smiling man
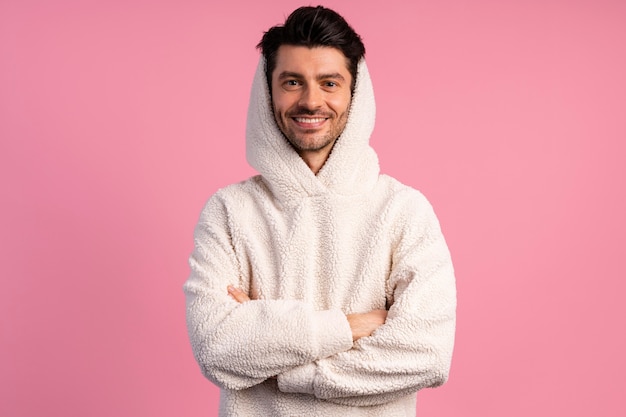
<point x="311" y="91"/>
<point x="319" y="287"/>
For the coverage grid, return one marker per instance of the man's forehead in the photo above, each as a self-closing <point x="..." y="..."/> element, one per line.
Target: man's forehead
<point x="297" y="58"/>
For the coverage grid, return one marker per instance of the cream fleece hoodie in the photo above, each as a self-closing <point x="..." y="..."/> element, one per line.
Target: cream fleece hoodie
<point x="308" y="250"/>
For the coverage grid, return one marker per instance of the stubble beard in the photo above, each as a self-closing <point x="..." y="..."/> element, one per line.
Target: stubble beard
<point x="303" y="142"/>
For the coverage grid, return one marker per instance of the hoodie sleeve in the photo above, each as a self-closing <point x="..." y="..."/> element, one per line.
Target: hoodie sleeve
<point x="413" y="349"/>
<point x="241" y="345"/>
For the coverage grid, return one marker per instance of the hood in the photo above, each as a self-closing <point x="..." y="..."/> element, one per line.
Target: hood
<point x="352" y="166"/>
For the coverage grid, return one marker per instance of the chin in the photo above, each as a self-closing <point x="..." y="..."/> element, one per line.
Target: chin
<point x="311" y="145"/>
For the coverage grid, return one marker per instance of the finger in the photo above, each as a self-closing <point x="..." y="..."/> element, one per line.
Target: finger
<point x="237" y="294"/>
<point x="379" y="316"/>
<point x="383" y="315"/>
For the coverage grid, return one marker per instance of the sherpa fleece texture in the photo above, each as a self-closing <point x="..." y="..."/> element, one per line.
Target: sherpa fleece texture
<point x="308" y="250"/>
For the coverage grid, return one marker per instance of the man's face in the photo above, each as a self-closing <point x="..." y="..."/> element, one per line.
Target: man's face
<point x="311" y="96"/>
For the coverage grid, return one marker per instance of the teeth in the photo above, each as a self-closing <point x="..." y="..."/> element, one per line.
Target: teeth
<point x="307" y="120"/>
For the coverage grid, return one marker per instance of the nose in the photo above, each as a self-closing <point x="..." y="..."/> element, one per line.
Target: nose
<point x="311" y="98"/>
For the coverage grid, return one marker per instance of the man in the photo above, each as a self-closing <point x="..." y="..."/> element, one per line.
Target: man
<point x="320" y="287"/>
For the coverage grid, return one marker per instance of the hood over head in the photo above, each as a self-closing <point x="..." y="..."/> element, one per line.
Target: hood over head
<point x="352" y="166"/>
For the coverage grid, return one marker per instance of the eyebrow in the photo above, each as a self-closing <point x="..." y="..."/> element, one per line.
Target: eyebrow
<point x="332" y="76"/>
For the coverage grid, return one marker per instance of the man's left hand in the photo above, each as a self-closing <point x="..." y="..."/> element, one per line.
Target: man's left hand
<point x="237" y="294"/>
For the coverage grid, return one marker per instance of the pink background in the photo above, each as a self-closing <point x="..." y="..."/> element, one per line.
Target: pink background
<point x="118" y="119"/>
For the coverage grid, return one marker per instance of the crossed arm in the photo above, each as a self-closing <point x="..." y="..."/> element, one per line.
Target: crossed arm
<point x="327" y="354"/>
<point x="361" y="324"/>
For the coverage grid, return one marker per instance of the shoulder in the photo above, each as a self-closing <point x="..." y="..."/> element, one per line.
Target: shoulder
<point x="408" y="212"/>
<point x="234" y="196"/>
<point x="238" y="192"/>
<point x="239" y="189"/>
<point x="402" y="195"/>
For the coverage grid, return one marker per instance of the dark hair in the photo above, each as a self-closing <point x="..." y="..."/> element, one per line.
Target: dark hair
<point x="311" y="27"/>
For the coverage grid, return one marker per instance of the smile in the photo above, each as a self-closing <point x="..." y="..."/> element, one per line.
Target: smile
<point x="309" y="120"/>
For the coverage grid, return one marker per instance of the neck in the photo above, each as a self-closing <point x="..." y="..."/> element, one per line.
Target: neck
<point x="315" y="159"/>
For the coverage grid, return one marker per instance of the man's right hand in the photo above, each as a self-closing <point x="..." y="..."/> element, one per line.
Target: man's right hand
<point x="364" y="324"/>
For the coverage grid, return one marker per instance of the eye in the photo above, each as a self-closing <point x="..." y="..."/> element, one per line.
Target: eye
<point x="291" y="84"/>
<point x="331" y="86"/>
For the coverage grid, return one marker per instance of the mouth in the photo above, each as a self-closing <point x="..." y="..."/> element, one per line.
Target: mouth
<point x="313" y="122"/>
<point x="310" y="120"/>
